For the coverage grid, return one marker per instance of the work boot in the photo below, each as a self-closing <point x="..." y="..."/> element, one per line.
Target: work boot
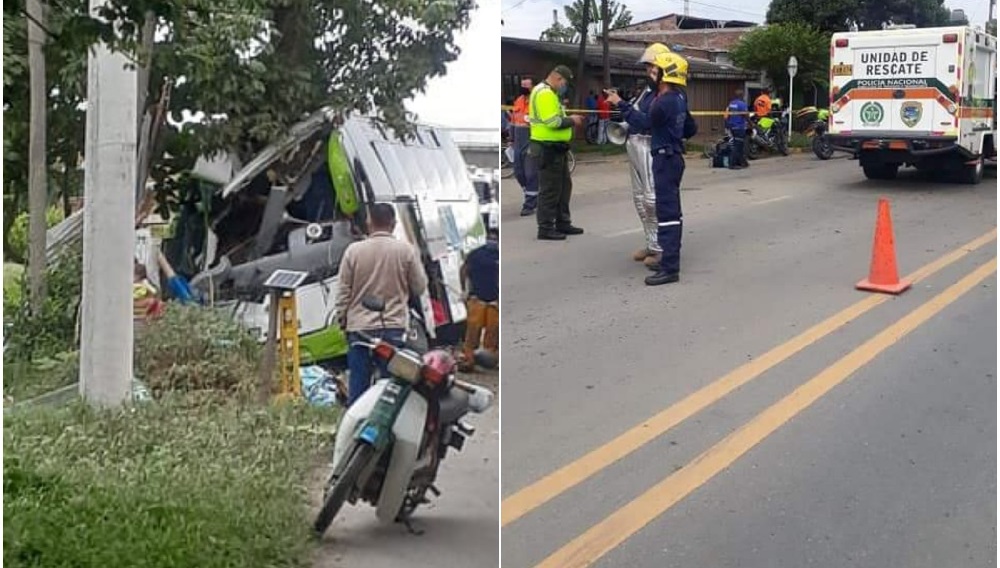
<point x="737" y="167"/>
<point x="662" y="277"/>
<point x="570" y="230"/>
<point x="652" y="261"/>
<point x="551" y="235"/>
<point x="527" y="211"/>
<point x="641" y="254"/>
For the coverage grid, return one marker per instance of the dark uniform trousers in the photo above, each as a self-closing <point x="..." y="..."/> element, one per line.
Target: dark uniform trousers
<point x="668" y="169"/>
<point x="554" y="183"/>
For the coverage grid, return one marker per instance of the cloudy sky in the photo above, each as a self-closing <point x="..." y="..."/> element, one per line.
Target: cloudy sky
<point x="527" y="18"/>
<point x="464" y="97"/>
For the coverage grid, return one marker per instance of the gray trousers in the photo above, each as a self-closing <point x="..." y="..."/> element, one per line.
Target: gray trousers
<point x="643" y="195"/>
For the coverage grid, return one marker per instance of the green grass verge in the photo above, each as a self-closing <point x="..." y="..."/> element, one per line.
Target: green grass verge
<point x="27" y="379"/>
<point x="165" y="484"/>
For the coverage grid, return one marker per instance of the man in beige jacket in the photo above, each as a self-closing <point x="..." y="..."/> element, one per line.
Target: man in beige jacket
<point x="381" y="267"/>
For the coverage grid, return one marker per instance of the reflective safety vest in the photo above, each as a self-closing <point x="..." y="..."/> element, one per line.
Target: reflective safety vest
<point x="546" y="114"/>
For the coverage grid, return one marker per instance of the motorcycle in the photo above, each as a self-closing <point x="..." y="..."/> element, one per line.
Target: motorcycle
<point x="815" y="127"/>
<point x="391" y="441"/>
<point x="768" y="133"/>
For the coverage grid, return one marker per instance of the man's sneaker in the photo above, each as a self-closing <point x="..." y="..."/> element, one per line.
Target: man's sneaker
<point x="570" y="230"/>
<point x="662" y="277"/>
<point x="527" y="211"/>
<point x="551" y="235"/>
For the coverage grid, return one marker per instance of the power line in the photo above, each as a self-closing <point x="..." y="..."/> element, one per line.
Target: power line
<point x="727" y="8"/>
<point x="516" y="4"/>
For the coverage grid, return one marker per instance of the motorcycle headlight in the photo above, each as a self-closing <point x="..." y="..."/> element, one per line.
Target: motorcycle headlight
<point x="952" y="109"/>
<point x="406" y="367"/>
<point x="835" y="107"/>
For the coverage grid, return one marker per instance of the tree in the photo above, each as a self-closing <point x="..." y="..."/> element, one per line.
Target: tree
<point x="251" y="68"/>
<point x="558" y="33"/>
<point x="991" y="27"/>
<point x="768" y="49"/>
<point x="581" y="57"/>
<point x="836" y="15"/>
<point x="825" y="15"/>
<point x="618" y="16"/>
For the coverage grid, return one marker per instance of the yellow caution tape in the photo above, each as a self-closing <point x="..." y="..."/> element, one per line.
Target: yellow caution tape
<point x="693" y="113"/>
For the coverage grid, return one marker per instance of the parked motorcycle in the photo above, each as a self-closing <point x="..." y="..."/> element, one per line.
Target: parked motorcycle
<point x="768" y="133"/>
<point x="391" y="441"/>
<point x="813" y="123"/>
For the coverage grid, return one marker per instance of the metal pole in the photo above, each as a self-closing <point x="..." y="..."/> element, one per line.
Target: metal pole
<point x="108" y="227"/>
<point x="791" y="86"/>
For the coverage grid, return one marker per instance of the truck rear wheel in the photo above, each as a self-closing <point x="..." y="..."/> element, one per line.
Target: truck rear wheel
<point x="881" y="171"/>
<point x="972" y="174"/>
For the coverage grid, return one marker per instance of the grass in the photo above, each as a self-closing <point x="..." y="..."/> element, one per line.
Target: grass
<point x="24" y="380"/>
<point x="165" y="484"/>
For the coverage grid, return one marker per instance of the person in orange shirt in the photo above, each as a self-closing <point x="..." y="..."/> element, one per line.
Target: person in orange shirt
<point x="523" y="172"/>
<point x="762" y="105"/>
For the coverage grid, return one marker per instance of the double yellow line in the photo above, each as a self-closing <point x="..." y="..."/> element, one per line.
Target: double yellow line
<point x="615" y="529"/>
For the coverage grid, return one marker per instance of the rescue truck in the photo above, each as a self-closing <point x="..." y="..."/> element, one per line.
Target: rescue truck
<point x="923" y="97"/>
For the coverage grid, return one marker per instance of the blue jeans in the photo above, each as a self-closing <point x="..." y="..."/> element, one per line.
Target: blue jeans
<point x="359" y="361"/>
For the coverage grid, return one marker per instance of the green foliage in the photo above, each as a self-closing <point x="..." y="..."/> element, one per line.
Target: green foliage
<point x="194" y="349"/>
<point x="252" y="68"/>
<point x="826" y="15"/>
<point x="159" y="485"/>
<point x="768" y="49"/>
<point x="991" y="27"/>
<point x="840" y="15"/>
<point x="17" y="235"/>
<point x="619" y="15"/>
<point x="53" y="329"/>
<point x="558" y="33"/>
<point x="27" y="379"/>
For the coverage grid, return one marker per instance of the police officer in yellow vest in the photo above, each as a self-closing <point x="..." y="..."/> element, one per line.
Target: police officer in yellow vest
<point x="551" y="132"/>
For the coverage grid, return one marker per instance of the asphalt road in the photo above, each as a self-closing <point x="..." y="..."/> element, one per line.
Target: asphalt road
<point x="459" y="527"/>
<point x="762" y="412"/>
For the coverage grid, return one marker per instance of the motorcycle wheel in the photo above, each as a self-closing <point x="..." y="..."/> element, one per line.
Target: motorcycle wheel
<point x="752" y="150"/>
<point x="341" y="487"/>
<point x="572" y="161"/>
<point x="782" y="144"/>
<point x="506" y="166"/>
<point x="822" y="148"/>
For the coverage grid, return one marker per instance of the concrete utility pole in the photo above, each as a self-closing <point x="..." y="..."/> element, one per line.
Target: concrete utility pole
<point x="108" y="227"/>
<point x="38" y="185"/>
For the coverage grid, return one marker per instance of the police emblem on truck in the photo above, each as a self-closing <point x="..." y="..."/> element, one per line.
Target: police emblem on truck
<point x="910" y="113"/>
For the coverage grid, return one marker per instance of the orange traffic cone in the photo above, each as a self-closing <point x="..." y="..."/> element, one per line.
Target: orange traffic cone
<point x="883" y="275"/>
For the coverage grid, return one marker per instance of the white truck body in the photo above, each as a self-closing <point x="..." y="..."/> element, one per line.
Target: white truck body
<point x="922" y="96"/>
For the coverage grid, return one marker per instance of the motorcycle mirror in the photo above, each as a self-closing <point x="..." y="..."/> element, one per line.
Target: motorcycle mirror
<point x="374" y="304"/>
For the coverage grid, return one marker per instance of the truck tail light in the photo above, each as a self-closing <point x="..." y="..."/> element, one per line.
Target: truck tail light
<point x="842" y="42"/>
<point x="950" y="38"/>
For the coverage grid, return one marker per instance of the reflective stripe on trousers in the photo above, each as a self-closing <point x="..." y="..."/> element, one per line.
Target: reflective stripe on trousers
<point x="643" y="194"/>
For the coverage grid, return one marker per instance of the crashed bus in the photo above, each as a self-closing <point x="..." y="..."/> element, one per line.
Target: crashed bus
<point x="298" y="204"/>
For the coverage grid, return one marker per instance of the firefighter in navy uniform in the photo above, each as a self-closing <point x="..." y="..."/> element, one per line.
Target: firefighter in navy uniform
<point x="636" y="114"/>
<point x="670" y="124"/>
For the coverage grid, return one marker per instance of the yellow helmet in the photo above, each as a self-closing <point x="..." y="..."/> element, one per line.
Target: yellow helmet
<point x="652" y="51"/>
<point x="674" y="67"/>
